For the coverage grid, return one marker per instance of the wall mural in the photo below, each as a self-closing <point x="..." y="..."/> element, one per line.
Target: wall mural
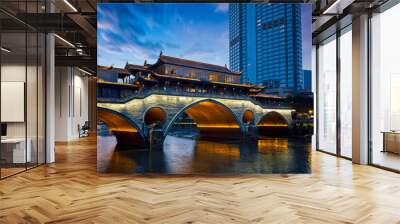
<point x="212" y="88"/>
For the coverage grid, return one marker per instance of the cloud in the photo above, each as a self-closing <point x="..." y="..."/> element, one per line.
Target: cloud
<point x="107" y="26"/>
<point x="222" y="7"/>
<point x="137" y="32"/>
<point x="171" y="45"/>
<point x="128" y="52"/>
<point x="105" y="37"/>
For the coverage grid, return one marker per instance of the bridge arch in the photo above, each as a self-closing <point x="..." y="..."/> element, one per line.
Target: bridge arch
<point x="154" y="115"/>
<point x="273" y="122"/>
<point x="212" y="117"/>
<point x="248" y="117"/>
<point x="127" y="132"/>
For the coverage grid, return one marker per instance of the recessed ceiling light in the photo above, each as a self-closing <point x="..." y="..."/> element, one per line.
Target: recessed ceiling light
<point x="337" y="7"/>
<point x="70" y="5"/>
<point x="86" y="72"/>
<point x="5" y="50"/>
<point x="64" y="40"/>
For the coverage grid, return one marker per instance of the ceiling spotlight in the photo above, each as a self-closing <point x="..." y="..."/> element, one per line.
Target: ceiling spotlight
<point x="70" y="5"/>
<point x="5" y="50"/>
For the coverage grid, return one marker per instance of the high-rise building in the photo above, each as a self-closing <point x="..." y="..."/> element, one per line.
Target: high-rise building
<point x="307" y="80"/>
<point x="265" y="44"/>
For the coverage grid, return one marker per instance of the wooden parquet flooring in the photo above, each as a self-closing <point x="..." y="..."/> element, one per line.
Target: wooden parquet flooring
<point x="70" y="191"/>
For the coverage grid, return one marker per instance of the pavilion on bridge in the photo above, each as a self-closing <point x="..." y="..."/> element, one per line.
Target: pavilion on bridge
<point x="176" y="76"/>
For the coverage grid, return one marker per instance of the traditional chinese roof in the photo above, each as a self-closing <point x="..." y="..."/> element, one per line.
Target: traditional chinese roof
<point x="267" y="96"/>
<point x="105" y="83"/>
<point x="255" y="87"/>
<point x="118" y="70"/>
<point x="175" y="77"/>
<point x="163" y="59"/>
<point x="247" y="86"/>
<point x="135" y="67"/>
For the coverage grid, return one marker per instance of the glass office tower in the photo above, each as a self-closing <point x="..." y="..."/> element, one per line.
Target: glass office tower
<point x="266" y="44"/>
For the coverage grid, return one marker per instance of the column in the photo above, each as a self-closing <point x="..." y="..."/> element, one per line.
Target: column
<point x="50" y="98"/>
<point x="360" y="90"/>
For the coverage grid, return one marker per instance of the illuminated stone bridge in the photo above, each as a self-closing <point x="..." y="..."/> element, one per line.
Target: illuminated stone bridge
<point x="131" y="121"/>
<point x="141" y="104"/>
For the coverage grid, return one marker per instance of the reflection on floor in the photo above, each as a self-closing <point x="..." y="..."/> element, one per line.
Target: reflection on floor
<point x="387" y="159"/>
<point x="71" y="191"/>
<point x="10" y="171"/>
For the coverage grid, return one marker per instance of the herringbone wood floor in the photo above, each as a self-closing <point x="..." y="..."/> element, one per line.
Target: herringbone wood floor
<point x="70" y="191"/>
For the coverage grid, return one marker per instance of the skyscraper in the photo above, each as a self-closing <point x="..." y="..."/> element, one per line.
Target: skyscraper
<point x="265" y="43"/>
<point x="307" y="80"/>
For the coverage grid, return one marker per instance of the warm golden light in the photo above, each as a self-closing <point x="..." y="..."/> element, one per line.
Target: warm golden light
<point x="208" y="114"/>
<point x="217" y="126"/>
<point x="115" y="122"/>
<point x="124" y="131"/>
<point x="248" y="116"/>
<point x="273" y="125"/>
<point x="155" y="115"/>
<point x="267" y="145"/>
<point x="273" y="119"/>
<point x="224" y="151"/>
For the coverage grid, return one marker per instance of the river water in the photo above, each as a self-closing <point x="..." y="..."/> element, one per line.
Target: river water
<point x="182" y="155"/>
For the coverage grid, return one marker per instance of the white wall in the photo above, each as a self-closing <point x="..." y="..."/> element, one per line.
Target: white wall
<point x="71" y="102"/>
<point x="12" y="73"/>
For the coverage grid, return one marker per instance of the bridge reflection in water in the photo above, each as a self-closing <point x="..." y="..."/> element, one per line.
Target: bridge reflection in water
<point x="188" y="156"/>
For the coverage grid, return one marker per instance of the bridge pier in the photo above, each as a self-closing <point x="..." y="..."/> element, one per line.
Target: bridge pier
<point x="128" y="140"/>
<point x="155" y="139"/>
<point x="250" y="132"/>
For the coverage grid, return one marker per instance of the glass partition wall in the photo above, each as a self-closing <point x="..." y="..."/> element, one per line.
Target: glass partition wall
<point x="345" y="91"/>
<point x="385" y="89"/>
<point x="334" y="90"/>
<point x="22" y="107"/>
<point x="326" y="140"/>
<point x="334" y="93"/>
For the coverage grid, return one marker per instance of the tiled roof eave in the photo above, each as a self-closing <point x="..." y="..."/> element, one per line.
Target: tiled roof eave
<point x="117" y="84"/>
<point x="193" y="64"/>
<point x="208" y="82"/>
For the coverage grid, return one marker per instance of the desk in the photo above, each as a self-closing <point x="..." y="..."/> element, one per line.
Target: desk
<point x="13" y="150"/>
<point x="391" y="141"/>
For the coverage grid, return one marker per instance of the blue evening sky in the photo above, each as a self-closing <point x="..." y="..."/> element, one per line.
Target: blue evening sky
<point x="135" y="32"/>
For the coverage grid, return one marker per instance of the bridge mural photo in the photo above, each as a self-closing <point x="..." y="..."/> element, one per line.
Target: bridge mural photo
<point x="164" y="108"/>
